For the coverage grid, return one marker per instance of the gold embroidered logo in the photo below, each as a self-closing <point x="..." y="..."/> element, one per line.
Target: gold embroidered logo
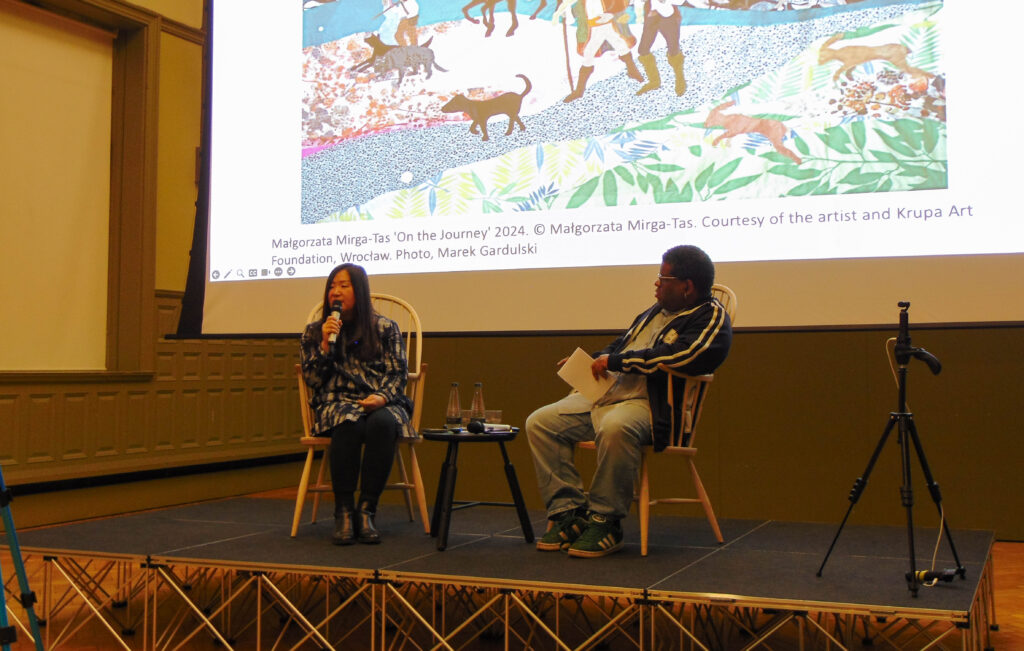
<point x="671" y="337"/>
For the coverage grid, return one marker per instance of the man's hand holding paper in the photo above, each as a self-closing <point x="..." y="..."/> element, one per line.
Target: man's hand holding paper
<point x="580" y="373"/>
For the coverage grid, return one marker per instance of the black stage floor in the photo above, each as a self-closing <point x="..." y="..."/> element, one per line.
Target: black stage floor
<point x="761" y="562"/>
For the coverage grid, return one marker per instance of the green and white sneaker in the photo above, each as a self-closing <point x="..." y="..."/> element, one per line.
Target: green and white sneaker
<point x="602" y="536"/>
<point x="563" y="531"/>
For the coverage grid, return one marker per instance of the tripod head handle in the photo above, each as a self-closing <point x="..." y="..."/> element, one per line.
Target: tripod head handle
<point x="904" y="353"/>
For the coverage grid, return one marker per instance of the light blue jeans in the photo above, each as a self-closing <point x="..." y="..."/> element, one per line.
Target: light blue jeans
<point x="619" y="430"/>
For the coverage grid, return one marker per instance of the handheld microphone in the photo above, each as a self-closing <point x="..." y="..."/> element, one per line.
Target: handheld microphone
<point x="476" y="427"/>
<point x="333" y="337"/>
<point x="932" y="576"/>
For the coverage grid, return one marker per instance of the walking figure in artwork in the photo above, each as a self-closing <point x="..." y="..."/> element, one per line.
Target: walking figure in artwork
<point x="601" y="25"/>
<point x="660" y="17"/>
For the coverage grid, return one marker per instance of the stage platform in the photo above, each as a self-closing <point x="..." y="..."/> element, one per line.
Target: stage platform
<point x="228" y="570"/>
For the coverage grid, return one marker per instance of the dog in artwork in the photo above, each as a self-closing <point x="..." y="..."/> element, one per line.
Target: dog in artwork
<point x="378" y="48"/>
<point x="736" y="124"/>
<point x="481" y="110"/>
<point x="407" y="59"/>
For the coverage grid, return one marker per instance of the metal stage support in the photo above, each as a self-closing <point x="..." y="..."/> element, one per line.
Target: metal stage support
<point x="154" y="604"/>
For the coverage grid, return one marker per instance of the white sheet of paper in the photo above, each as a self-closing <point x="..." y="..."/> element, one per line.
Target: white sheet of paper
<point x="576" y="371"/>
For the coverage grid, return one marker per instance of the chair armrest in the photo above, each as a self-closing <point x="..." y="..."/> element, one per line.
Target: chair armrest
<point x="707" y="377"/>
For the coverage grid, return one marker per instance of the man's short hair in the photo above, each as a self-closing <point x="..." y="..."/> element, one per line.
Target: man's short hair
<point x="689" y="262"/>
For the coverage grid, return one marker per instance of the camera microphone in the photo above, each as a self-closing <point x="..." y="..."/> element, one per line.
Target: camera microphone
<point x="904" y="350"/>
<point x="932" y="576"/>
<point x="333" y="337"/>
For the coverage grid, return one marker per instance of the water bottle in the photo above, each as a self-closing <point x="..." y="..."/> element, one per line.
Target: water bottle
<point x="476" y="408"/>
<point x="453" y="415"/>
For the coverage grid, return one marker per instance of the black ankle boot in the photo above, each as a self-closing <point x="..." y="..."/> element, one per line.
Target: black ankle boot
<point x="344" y="530"/>
<point x="368" y="533"/>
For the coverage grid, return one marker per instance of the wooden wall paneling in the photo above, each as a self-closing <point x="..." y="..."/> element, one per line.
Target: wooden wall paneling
<point x="283" y="410"/>
<point x="74" y="435"/>
<point x="166" y="315"/>
<point x="213" y="402"/>
<point x="238" y="358"/>
<point x="191" y="363"/>
<point x="42" y="420"/>
<point x="104" y="434"/>
<point x="206" y="401"/>
<point x="191" y="419"/>
<point x="13" y="427"/>
<point x="138" y="426"/>
<point x="258" y="412"/>
<point x="213" y="427"/>
<point x="236" y="414"/>
<point x="167" y="365"/>
<point x="216" y="362"/>
<point x="167" y="429"/>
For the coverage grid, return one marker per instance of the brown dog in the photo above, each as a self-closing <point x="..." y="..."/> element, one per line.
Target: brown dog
<point x="378" y="49"/>
<point x="481" y="110"/>
<point x="852" y="56"/>
<point x="735" y="125"/>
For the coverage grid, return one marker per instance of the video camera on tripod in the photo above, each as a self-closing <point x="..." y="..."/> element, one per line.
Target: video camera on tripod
<point x="903" y="422"/>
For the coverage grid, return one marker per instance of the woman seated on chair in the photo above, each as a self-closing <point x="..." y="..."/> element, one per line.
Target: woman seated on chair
<point x="357" y="386"/>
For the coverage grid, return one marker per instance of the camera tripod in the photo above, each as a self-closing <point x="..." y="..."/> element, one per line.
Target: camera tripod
<point x="8" y="634"/>
<point x="903" y="421"/>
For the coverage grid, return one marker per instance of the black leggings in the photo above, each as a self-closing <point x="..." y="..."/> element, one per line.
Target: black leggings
<point x="377" y="433"/>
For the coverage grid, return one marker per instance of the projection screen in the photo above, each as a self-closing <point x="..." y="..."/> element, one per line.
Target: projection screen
<point x="525" y="171"/>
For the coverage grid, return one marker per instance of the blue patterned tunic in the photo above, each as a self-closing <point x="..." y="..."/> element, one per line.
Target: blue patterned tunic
<point x="336" y="384"/>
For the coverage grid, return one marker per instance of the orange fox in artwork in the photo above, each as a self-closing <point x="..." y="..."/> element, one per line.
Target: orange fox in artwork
<point x="737" y="124"/>
<point x="852" y="56"/>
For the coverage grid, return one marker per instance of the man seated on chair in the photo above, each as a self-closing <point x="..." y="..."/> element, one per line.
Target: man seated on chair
<point x="686" y="330"/>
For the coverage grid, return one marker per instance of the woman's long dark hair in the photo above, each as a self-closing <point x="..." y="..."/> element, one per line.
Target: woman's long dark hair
<point x="361" y="330"/>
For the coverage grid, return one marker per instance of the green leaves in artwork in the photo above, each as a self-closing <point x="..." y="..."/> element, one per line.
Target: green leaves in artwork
<point x="859" y="133"/>
<point x="801" y="145"/>
<point x="723" y="172"/>
<point x="610" y="189"/>
<point x="794" y="172"/>
<point x="736" y="183"/>
<point x="702" y="179"/>
<point x="912" y="159"/>
<point x="836" y="138"/>
<point x="583" y="193"/>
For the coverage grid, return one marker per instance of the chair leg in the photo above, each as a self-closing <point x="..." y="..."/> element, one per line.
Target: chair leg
<point x="300" y="499"/>
<point x="404" y="476"/>
<point x="421" y="497"/>
<point x="705" y="502"/>
<point x="645" y="504"/>
<point x="324" y="461"/>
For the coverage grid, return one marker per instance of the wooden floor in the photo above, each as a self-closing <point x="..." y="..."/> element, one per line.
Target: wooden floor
<point x="1008" y="561"/>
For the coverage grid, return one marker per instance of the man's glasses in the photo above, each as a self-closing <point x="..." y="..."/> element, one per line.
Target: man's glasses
<point x="664" y="278"/>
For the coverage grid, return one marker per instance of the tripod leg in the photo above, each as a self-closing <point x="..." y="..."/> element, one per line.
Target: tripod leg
<point x="907" y="497"/>
<point x="858" y="486"/>
<point x="933" y="489"/>
<point x="28" y="598"/>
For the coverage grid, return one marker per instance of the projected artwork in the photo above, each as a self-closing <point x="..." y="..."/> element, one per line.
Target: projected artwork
<point x="443" y="109"/>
